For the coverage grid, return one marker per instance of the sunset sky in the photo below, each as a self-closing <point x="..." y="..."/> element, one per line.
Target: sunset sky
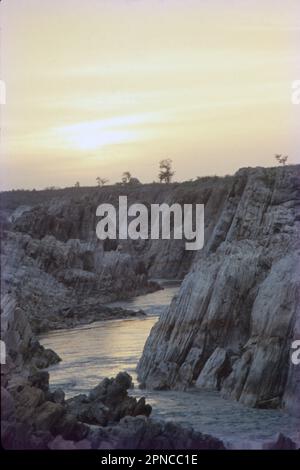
<point x="98" y="87"/>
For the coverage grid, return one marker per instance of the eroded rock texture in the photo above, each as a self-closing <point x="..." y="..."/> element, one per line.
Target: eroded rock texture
<point x="60" y="284"/>
<point x="232" y="324"/>
<point x="33" y="417"/>
<point x="71" y="217"/>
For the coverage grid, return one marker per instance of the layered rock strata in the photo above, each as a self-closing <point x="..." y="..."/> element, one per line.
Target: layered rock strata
<point x="232" y="324"/>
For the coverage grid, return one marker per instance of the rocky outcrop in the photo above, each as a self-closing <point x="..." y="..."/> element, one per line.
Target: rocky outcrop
<point x="108" y="418"/>
<point x="108" y="402"/>
<point x="61" y="285"/>
<point x="232" y="324"/>
<point x="22" y="347"/>
<point x="143" y="433"/>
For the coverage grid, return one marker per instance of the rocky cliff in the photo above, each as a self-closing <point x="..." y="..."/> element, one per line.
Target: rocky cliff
<point x="72" y="216"/>
<point x="59" y="284"/>
<point x="232" y="324"/>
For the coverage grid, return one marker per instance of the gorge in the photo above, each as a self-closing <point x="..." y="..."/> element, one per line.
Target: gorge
<point x="228" y="330"/>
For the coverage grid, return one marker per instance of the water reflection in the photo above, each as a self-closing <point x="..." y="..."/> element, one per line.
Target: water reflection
<point x="154" y="303"/>
<point x="95" y="351"/>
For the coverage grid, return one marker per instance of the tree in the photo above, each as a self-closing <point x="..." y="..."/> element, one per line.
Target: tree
<point x="77" y="184"/>
<point x="126" y="177"/>
<point x="101" y="181"/>
<point x="134" y="181"/>
<point x="281" y="159"/>
<point x="166" y="172"/>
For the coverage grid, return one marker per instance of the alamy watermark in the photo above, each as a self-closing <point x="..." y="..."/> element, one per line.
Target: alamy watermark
<point x="2" y="92"/>
<point x="295" y="357"/>
<point x="295" y="98"/>
<point x="2" y="353"/>
<point x="161" y="221"/>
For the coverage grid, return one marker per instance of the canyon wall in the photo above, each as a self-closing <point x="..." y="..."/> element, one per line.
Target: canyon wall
<point x="72" y="216"/>
<point x="231" y="326"/>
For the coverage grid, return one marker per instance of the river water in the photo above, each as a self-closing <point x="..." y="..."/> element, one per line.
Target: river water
<point x="102" y="349"/>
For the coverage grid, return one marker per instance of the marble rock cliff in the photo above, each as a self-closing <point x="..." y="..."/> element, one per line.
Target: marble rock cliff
<point x="232" y="324"/>
<point x="72" y="216"/>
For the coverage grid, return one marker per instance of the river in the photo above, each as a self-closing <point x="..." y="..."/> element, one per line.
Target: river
<point x="102" y="349"/>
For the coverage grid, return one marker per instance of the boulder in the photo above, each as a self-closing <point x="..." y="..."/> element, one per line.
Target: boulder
<point x="58" y="396"/>
<point x="70" y="428"/>
<point x="39" y="379"/>
<point x="27" y="401"/>
<point x="47" y="415"/>
<point x="108" y="402"/>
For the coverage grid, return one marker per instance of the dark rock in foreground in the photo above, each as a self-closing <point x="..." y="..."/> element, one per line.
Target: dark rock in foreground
<point x="143" y="433"/>
<point x="107" y="418"/>
<point x="108" y="402"/>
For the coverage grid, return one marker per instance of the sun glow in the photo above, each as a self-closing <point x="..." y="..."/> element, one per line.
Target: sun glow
<point x="97" y="134"/>
<point x="86" y="137"/>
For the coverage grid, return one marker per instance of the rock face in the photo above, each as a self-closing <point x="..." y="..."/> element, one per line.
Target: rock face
<point x="232" y="324"/>
<point x="22" y="348"/>
<point x="60" y="284"/>
<point x="71" y="216"/>
<point x="216" y="368"/>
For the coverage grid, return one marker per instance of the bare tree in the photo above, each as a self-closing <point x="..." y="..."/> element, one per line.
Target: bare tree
<point x="281" y="159"/>
<point x="101" y="181"/>
<point x="77" y="184"/>
<point x="166" y="173"/>
<point x="126" y="177"/>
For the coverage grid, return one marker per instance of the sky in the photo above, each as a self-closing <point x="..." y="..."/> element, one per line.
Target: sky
<point x="99" y="87"/>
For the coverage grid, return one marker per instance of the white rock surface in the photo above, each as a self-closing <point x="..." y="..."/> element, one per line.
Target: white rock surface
<point x="241" y="296"/>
